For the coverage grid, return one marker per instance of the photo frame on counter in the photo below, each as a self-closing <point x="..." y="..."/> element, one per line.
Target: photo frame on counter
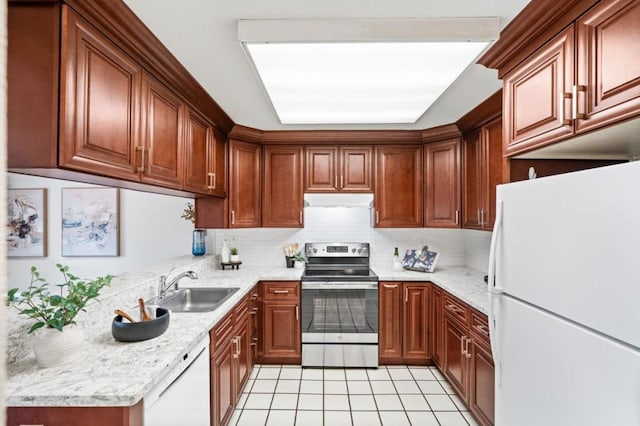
<point x="90" y="222"/>
<point x="26" y="222"/>
<point x="420" y="260"/>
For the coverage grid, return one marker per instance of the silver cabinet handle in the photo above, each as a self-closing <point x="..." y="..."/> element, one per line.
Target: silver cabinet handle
<point x="211" y="180"/>
<point x="297" y="316"/>
<point x="254" y="311"/>
<point x="466" y="348"/>
<point x="462" y="342"/>
<point x="406" y="295"/>
<point x="336" y="181"/>
<point x="479" y="220"/>
<point x="574" y="104"/>
<point x="233" y="217"/>
<point x="341" y="181"/>
<point x="457" y="217"/>
<point x="377" y="217"/>
<point x="390" y="285"/>
<point x="281" y="291"/>
<point x="581" y="88"/>
<point x="300" y="217"/>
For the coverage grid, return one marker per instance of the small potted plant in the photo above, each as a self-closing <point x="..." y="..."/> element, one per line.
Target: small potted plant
<point x="234" y="257"/>
<point x="299" y="260"/>
<point x="58" y="338"/>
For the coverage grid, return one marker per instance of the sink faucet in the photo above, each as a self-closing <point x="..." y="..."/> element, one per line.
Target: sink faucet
<point x="166" y="285"/>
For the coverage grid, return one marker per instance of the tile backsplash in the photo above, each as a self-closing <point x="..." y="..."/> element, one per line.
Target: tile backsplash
<point x="263" y="246"/>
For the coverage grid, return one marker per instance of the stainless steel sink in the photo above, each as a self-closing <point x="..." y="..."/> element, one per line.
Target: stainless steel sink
<point x="197" y="299"/>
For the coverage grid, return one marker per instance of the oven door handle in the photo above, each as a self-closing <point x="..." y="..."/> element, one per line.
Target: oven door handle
<point x="339" y="286"/>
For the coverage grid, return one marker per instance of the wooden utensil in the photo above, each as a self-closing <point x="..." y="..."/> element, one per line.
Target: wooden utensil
<point x="123" y="314"/>
<point x="144" y="315"/>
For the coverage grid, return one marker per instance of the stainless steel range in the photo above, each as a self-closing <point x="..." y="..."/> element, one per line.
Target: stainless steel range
<point x="339" y="307"/>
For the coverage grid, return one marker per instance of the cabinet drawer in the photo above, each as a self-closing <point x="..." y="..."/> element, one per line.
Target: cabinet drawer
<point x="221" y="333"/>
<point x="241" y="310"/>
<point x="455" y="309"/>
<point x="480" y="327"/>
<point x="281" y="289"/>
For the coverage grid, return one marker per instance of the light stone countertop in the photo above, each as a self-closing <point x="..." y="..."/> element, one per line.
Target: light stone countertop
<point x="110" y="373"/>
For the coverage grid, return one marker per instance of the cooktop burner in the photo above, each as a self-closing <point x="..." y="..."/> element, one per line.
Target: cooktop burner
<point x="338" y="262"/>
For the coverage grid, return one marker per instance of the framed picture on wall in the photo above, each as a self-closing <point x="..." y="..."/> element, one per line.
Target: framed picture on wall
<point x="90" y="222"/>
<point x="27" y="222"/>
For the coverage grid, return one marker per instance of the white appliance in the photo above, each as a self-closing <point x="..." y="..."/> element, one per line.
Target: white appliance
<point x="182" y="396"/>
<point x="565" y="302"/>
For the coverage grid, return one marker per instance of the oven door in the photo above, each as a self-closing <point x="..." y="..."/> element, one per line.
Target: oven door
<point x="339" y="312"/>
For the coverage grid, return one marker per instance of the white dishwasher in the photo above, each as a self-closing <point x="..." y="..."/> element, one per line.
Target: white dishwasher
<point x="182" y="396"/>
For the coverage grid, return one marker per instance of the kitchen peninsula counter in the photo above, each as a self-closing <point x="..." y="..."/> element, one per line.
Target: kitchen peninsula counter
<point x="110" y="373"/>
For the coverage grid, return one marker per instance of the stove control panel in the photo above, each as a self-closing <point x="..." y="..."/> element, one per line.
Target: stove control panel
<point x="337" y="249"/>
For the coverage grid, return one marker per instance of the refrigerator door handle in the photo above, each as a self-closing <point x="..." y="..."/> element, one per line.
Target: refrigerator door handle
<point x="494" y="292"/>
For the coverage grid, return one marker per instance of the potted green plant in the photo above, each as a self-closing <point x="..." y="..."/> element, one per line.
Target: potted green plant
<point x="58" y="338"/>
<point x="299" y="260"/>
<point x="235" y="257"/>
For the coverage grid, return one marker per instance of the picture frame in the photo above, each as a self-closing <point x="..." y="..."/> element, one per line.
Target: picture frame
<point x="420" y="260"/>
<point x="90" y="222"/>
<point x="26" y="222"/>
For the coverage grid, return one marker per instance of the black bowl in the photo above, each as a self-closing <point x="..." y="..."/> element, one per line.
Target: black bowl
<point x="143" y="330"/>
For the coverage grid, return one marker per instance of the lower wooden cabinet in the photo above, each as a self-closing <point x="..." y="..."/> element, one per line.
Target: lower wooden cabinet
<point x="231" y="361"/>
<point x="468" y="364"/>
<point x="403" y="322"/>
<point x="281" y="339"/>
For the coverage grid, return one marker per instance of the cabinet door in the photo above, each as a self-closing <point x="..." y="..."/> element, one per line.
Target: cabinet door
<point x="472" y="180"/>
<point x="198" y="153"/>
<point x="398" y="186"/>
<point x="243" y="356"/>
<point x="161" y="149"/>
<point x="436" y="324"/>
<point x="321" y="169"/>
<point x="608" y="79"/>
<point x="281" y="331"/>
<point x="390" y="323"/>
<point x="99" y="102"/>
<point x="442" y="184"/>
<point x="415" y="341"/>
<point x="217" y="168"/>
<point x="537" y="96"/>
<point x="456" y="368"/>
<point x="222" y="383"/>
<point x="282" y="203"/>
<point x="482" y="383"/>
<point x="491" y="171"/>
<point x="244" y="185"/>
<point x="356" y="169"/>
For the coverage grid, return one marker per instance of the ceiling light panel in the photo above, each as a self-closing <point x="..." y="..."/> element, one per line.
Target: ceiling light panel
<point x="331" y="83"/>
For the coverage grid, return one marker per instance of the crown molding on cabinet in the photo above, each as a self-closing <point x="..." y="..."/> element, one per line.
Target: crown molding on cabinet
<point x="440" y="133"/>
<point x="486" y="111"/>
<point x="535" y="25"/>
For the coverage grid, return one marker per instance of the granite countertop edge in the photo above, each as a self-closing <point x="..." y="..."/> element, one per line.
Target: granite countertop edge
<point x="121" y="374"/>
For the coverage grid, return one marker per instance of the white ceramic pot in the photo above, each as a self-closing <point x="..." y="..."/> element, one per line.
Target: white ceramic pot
<point x="234" y="258"/>
<point x="299" y="265"/>
<point x="53" y="347"/>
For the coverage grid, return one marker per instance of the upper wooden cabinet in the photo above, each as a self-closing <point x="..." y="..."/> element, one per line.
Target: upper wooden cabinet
<point x="111" y="102"/>
<point x="334" y="169"/>
<point x="398" y="186"/>
<point x="442" y="184"/>
<point x="100" y="91"/>
<point x="282" y="203"/>
<point x="160" y="150"/>
<point x="244" y="185"/>
<point x="482" y="172"/>
<point x="205" y="156"/>
<point x="582" y="79"/>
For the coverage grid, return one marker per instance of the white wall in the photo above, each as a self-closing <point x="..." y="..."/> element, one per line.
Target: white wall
<point x="151" y="231"/>
<point x="263" y="246"/>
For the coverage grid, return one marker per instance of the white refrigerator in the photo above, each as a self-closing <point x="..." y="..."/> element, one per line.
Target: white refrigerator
<point x="564" y="283"/>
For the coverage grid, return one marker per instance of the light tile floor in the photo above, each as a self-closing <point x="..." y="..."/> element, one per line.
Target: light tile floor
<point x="395" y="396"/>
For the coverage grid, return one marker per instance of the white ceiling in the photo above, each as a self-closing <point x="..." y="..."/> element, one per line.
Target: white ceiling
<point x="202" y="34"/>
